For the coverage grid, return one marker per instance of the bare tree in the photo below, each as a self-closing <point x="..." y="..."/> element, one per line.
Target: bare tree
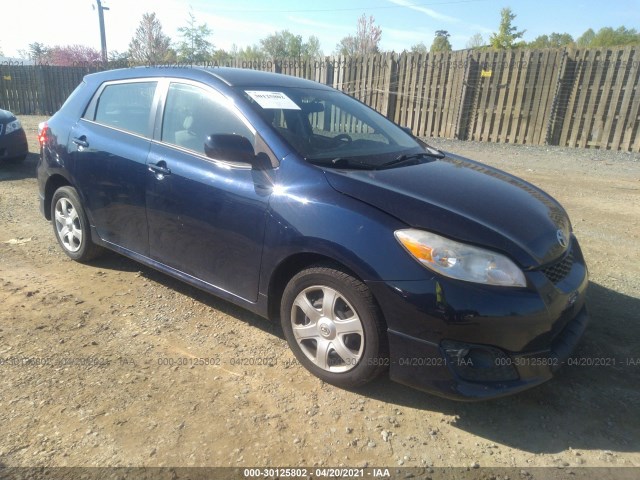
<point x="366" y="40"/>
<point x="150" y="44"/>
<point x="476" y="41"/>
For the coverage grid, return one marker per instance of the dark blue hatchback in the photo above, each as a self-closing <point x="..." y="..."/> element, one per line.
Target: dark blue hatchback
<point x="295" y="201"/>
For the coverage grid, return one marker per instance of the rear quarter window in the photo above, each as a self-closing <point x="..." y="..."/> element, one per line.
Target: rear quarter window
<point x="126" y="106"/>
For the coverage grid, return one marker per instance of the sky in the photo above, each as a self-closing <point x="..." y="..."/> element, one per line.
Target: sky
<point x="403" y="22"/>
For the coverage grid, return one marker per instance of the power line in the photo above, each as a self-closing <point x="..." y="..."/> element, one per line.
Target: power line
<point x="386" y="7"/>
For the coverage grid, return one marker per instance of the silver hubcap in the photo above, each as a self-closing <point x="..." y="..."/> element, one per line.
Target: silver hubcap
<point x="68" y="225"/>
<point x="327" y="329"/>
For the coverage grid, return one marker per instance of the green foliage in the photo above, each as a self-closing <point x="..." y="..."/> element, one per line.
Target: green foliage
<point x="149" y="44"/>
<point x="251" y="53"/>
<point x="553" y="40"/>
<point x="609" y="37"/>
<point x="222" y="57"/>
<point x="118" y="57"/>
<point x="441" y="42"/>
<point x="195" y="46"/>
<point x="586" y="38"/>
<point x="282" y="44"/>
<point x="366" y="40"/>
<point x="285" y="44"/>
<point x="311" y="49"/>
<point x="419" y="48"/>
<point x="508" y="34"/>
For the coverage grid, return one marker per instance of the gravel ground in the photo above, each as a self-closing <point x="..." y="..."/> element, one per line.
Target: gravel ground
<point x="99" y="379"/>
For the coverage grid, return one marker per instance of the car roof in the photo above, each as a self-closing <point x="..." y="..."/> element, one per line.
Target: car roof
<point x="235" y="77"/>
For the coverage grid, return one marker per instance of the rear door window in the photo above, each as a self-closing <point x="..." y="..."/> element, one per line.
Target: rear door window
<point x="126" y="106"/>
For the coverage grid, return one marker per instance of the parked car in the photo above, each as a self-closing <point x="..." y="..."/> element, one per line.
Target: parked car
<point x="376" y="251"/>
<point x="13" y="140"/>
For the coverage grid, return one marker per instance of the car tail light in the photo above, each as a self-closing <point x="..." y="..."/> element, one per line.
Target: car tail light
<point x="43" y="129"/>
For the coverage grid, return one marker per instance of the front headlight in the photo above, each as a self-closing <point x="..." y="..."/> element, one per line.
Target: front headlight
<point x="461" y="261"/>
<point x="13" y="126"/>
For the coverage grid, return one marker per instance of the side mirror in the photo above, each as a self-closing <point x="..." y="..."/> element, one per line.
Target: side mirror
<point x="407" y="130"/>
<point x="233" y="148"/>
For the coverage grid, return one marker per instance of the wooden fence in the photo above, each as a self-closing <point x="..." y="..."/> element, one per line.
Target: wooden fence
<point x="577" y="98"/>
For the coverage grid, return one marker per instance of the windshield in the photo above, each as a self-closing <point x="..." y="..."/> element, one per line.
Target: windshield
<point x="331" y="129"/>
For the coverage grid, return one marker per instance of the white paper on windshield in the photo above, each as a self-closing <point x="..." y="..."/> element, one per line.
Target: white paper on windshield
<point x="272" y="100"/>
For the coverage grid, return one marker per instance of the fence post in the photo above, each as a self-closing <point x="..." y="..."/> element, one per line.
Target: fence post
<point x="554" y="118"/>
<point x="467" y="99"/>
<point x="391" y="80"/>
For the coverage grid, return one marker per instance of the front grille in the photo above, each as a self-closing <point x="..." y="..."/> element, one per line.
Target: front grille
<point x="559" y="270"/>
<point x="1" y="127"/>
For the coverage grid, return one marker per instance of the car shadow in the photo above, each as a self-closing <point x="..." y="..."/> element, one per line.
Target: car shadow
<point x="604" y="377"/>
<point x="10" y="170"/>
<point x="114" y="261"/>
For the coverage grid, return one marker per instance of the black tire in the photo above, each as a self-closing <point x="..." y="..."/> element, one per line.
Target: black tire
<point x="67" y="211"/>
<point x="366" y="354"/>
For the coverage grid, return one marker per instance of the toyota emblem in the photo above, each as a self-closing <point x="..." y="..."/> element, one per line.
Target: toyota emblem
<point x="562" y="239"/>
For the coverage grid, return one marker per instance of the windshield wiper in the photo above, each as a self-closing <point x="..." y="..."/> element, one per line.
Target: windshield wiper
<point x="411" y="158"/>
<point x="341" y="162"/>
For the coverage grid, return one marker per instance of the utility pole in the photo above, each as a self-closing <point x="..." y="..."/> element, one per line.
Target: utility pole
<point x="103" y="35"/>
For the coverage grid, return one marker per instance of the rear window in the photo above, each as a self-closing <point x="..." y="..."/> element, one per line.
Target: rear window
<point x="126" y="106"/>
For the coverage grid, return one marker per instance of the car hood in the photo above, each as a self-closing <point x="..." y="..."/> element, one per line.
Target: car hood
<point x="466" y="201"/>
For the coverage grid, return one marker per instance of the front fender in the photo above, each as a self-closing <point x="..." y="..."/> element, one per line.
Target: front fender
<point x="306" y="215"/>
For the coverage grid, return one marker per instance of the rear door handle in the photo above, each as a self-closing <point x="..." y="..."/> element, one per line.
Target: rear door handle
<point x="81" y="141"/>
<point x="160" y="169"/>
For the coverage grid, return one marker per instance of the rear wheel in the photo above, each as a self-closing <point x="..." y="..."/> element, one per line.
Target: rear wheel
<point x="334" y="327"/>
<point x="71" y="226"/>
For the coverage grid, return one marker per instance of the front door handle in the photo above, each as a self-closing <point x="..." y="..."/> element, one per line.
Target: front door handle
<point x="81" y="141"/>
<point x="160" y="169"/>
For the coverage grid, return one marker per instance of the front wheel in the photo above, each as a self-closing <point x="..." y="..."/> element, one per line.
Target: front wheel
<point x="71" y="226"/>
<point x="334" y="327"/>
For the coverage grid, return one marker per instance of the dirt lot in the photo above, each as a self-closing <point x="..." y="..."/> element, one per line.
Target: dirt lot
<point x="107" y="333"/>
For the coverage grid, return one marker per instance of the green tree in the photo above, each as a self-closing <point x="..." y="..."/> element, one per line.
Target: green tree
<point x="311" y="48"/>
<point x="222" y="57"/>
<point x="508" y="34"/>
<point x="195" y="46"/>
<point x="37" y="51"/>
<point x="553" y="40"/>
<point x="609" y="37"/>
<point x="118" y="57"/>
<point x="149" y="44"/>
<point x="441" y="42"/>
<point x="476" y="41"/>
<point x="366" y="40"/>
<point x="249" y="53"/>
<point x="285" y="44"/>
<point x="586" y="38"/>
<point x="420" y="48"/>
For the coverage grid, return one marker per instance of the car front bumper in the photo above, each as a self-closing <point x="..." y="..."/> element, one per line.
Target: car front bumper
<point x="13" y="145"/>
<point x="473" y="342"/>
